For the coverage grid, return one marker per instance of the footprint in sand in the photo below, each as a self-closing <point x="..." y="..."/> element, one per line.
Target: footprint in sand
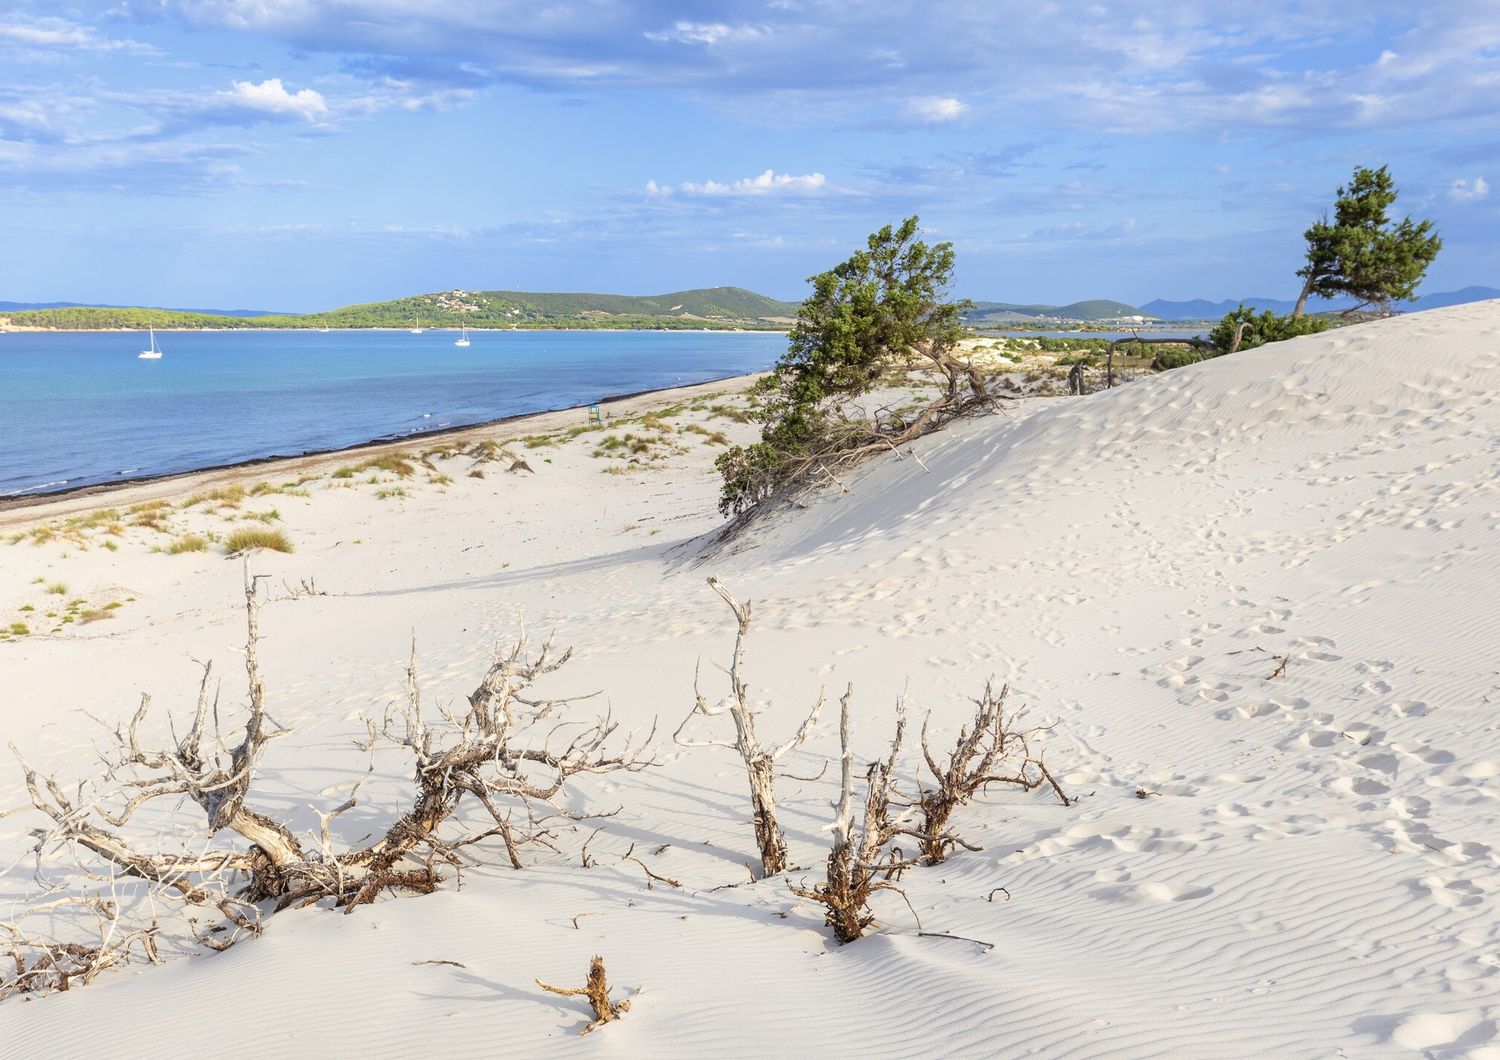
<point x="1446" y="892"/>
<point x="1454" y="1033"/>
<point x="1154" y="893"/>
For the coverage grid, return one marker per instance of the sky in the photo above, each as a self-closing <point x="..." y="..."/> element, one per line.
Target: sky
<point x="304" y="154"/>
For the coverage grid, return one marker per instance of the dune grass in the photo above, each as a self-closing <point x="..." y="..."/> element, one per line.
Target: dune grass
<point x="248" y="538"/>
<point x="188" y="543"/>
<point x="228" y="497"/>
<point x="398" y="464"/>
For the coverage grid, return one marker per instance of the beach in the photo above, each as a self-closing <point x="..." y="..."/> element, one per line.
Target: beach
<point x="1248" y="603"/>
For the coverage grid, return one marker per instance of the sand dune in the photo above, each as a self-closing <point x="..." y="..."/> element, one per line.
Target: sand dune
<point x="1256" y="599"/>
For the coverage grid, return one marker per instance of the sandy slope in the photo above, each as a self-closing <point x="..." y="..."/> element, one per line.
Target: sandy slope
<point x="1293" y="866"/>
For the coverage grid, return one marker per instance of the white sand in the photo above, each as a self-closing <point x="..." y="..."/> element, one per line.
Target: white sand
<point x="1311" y="872"/>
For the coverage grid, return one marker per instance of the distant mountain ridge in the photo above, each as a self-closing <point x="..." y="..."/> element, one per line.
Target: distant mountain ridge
<point x="1091" y="309"/>
<point x="991" y="314"/>
<point x="13" y="307"/>
<point x="707" y="307"/>
<point x="1202" y="309"/>
<point x="734" y="307"/>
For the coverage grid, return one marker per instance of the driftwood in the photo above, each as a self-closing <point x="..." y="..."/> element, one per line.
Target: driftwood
<point x="1076" y="384"/>
<point x="1164" y="340"/>
<point x="596" y="989"/>
<point x="510" y="753"/>
<point x="989" y="750"/>
<point x="760" y="762"/>
<point x="32" y="964"/>
<point x="861" y="860"/>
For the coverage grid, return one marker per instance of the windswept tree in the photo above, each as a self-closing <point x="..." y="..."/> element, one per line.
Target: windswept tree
<point x="886" y="305"/>
<point x="1361" y="253"/>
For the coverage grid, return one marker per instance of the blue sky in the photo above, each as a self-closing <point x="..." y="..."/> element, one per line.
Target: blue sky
<point x="295" y="154"/>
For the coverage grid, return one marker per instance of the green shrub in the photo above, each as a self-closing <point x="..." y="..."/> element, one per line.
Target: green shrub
<point x="1168" y="357"/>
<point x="1260" y="329"/>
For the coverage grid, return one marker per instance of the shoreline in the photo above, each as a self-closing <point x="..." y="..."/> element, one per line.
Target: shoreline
<point x="26" y="507"/>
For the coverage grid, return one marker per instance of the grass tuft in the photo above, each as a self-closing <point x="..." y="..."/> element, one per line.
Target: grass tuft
<point x="398" y="464"/>
<point x="247" y="538"/>
<point x="228" y="497"/>
<point x="188" y="543"/>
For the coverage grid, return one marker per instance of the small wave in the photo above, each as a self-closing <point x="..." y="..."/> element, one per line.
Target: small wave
<point x="427" y="415"/>
<point x="32" y="489"/>
<point x="128" y="471"/>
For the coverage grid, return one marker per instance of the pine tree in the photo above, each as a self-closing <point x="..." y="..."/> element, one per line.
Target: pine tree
<point x="1363" y="255"/>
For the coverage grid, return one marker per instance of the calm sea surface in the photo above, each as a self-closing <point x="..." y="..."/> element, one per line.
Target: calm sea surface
<point x="80" y="409"/>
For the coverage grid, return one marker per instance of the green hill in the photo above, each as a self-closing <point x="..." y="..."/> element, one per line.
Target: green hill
<point x="712" y="307"/>
<point x="1092" y="309"/>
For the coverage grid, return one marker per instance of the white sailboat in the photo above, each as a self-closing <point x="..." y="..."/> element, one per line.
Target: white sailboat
<point x="416" y="325"/>
<point x="154" y="353"/>
<point x="463" y="340"/>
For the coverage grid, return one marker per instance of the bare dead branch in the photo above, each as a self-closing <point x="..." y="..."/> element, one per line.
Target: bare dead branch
<point x="862" y="860"/>
<point x="760" y="762"/>
<point x="510" y="754"/>
<point x="987" y="946"/>
<point x="596" y="989"/>
<point x="990" y="750"/>
<point x="629" y="855"/>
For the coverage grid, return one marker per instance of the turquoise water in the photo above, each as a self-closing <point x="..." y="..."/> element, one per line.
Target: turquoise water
<point x="79" y="409"/>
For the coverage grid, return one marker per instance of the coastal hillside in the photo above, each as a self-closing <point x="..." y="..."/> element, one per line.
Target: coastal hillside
<point x="1249" y="605"/>
<point x="713" y="307"/>
<point x="985" y="314"/>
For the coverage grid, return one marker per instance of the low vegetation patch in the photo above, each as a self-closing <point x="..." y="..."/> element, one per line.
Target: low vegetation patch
<point x="247" y="538"/>
<point x="228" y="497"/>
<point x="188" y="543"/>
<point x="398" y="464"/>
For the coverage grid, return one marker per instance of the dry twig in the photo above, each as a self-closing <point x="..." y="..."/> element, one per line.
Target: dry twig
<point x="596" y="989"/>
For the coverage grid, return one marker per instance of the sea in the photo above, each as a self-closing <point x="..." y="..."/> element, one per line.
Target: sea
<point x="80" y="408"/>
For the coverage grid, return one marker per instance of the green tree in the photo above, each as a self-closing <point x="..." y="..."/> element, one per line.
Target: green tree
<point x="1361" y="253"/>
<point x="887" y="304"/>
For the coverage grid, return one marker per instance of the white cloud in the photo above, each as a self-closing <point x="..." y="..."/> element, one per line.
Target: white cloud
<point x="936" y="108"/>
<point x="271" y="98"/>
<point x="60" y="33"/>
<point x="768" y="183"/>
<point x="706" y="33"/>
<point x="1462" y="190"/>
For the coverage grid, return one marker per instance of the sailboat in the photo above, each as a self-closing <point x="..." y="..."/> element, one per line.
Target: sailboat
<point x="463" y="340"/>
<point x="416" y="325"/>
<point x="154" y="353"/>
